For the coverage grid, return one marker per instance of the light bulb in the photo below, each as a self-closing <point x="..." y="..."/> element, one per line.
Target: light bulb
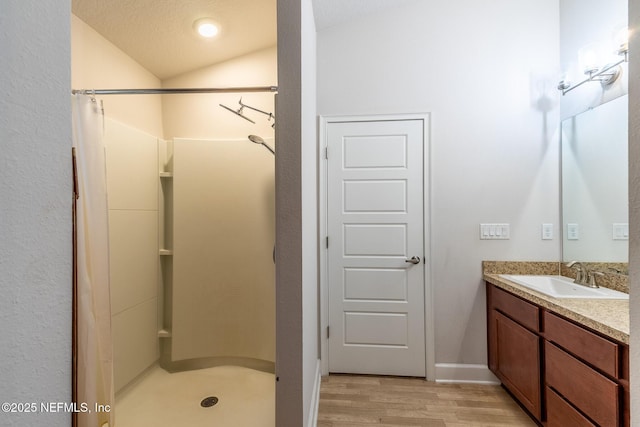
<point x="588" y="58"/>
<point x="621" y="39"/>
<point x="564" y="82"/>
<point x="206" y="28"/>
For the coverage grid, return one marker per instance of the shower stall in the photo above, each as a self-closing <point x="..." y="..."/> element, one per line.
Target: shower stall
<point x="192" y="232"/>
<point x="216" y="243"/>
<point x="191" y="206"/>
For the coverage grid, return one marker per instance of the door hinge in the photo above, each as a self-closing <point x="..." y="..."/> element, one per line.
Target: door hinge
<point x="327" y="332"/>
<point x="327" y="242"/>
<point x="326" y="152"/>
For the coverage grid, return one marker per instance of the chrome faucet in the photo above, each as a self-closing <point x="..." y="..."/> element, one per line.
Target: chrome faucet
<point x="580" y="272"/>
<point x="591" y="282"/>
<point x="584" y="276"/>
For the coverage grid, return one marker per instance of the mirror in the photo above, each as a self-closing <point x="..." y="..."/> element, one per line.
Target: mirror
<point x="595" y="184"/>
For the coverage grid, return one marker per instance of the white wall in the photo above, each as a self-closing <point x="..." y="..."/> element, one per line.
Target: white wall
<point x="485" y="70"/>
<point x="590" y="23"/>
<point x="634" y="206"/>
<point x="309" y="177"/>
<point x="35" y="213"/>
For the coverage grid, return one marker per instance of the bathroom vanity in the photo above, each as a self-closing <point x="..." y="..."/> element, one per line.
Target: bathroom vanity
<point x="565" y="360"/>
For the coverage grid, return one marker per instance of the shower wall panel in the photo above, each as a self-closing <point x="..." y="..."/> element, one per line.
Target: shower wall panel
<point x="132" y="182"/>
<point x="223" y="235"/>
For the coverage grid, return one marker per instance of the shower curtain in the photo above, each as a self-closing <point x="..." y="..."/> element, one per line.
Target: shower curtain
<point x="93" y="306"/>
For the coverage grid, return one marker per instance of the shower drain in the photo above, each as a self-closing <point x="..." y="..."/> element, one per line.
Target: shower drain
<point x="208" y="402"/>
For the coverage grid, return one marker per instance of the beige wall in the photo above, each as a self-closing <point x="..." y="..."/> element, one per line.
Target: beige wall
<point x="200" y="116"/>
<point x="98" y="64"/>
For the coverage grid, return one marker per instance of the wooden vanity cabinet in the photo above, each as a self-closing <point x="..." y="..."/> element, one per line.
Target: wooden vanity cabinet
<point x="586" y="370"/>
<point x="561" y="372"/>
<point x="514" y="347"/>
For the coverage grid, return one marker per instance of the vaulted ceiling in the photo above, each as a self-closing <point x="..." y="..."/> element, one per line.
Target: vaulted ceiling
<point x="159" y="34"/>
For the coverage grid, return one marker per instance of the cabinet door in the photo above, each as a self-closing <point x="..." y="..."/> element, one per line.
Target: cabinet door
<point x="517" y="360"/>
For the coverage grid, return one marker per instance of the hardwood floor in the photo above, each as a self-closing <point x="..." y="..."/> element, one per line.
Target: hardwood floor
<point x="365" y="401"/>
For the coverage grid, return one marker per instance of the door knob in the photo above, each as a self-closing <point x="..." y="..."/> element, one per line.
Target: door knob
<point x="413" y="260"/>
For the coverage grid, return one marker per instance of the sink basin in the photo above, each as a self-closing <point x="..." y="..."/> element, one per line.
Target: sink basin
<point x="563" y="287"/>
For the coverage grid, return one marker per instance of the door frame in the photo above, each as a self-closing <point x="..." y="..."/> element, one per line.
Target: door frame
<point x="323" y="271"/>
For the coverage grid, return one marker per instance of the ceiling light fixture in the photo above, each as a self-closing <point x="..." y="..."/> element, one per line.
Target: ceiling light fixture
<point x="206" y="28"/>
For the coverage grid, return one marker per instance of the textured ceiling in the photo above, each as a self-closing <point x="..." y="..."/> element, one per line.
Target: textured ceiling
<point x="159" y="35"/>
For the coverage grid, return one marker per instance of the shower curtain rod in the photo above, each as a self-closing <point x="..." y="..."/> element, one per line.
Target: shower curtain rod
<point x="173" y="91"/>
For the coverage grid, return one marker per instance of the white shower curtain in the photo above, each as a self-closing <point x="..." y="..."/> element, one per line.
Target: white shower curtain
<point x="94" y="351"/>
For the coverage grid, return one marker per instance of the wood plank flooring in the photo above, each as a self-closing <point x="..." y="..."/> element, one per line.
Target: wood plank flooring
<point x="368" y="401"/>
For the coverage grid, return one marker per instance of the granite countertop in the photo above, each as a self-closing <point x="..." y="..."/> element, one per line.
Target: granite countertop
<point x="609" y="317"/>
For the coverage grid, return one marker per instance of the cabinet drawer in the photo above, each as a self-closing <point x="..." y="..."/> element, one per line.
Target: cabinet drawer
<point x="591" y="392"/>
<point x="592" y="348"/>
<point x="562" y="414"/>
<point x="521" y="311"/>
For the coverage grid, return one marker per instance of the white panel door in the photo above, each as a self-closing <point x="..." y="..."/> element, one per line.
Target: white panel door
<point x="375" y="221"/>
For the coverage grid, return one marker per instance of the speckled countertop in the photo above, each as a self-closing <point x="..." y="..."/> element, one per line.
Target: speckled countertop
<point x="609" y="317"/>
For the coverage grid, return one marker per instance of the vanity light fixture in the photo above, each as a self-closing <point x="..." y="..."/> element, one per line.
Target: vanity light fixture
<point x="206" y="28"/>
<point x="606" y="74"/>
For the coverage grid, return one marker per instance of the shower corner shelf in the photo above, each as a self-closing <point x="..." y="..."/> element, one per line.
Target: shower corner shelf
<point x="166" y="174"/>
<point x="163" y="333"/>
<point x="165" y="252"/>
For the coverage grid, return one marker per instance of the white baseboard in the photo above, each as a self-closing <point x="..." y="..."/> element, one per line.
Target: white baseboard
<point x="464" y="373"/>
<point x="315" y="398"/>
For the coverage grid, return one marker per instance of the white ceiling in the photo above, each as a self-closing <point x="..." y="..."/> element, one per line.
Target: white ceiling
<point x="159" y="35"/>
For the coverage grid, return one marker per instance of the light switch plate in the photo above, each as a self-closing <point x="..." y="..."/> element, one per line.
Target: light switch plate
<point x="495" y="231"/>
<point x="547" y="231"/>
<point x="620" y="231"/>
<point x="573" y="231"/>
